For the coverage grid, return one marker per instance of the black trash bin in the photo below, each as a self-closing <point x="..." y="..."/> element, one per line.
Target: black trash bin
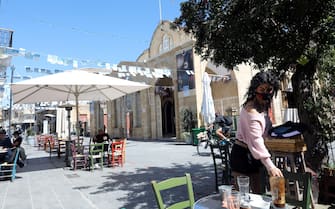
<point x="195" y="132"/>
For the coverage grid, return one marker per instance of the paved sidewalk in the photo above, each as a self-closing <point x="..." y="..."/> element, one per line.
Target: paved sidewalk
<point x="44" y="183"/>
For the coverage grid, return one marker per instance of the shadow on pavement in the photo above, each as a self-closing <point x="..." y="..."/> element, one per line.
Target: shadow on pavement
<point x="42" y="163"/>
<point x="138" y="184"/>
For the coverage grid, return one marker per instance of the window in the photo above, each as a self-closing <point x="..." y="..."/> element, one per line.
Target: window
<point x="166" y="44"/>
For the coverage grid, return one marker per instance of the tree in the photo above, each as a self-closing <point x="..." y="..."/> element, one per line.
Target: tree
<point x="278" y="35"/>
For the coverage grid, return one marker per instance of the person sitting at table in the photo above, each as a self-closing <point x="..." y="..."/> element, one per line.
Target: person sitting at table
<point x="17" y="144"/>
<point x="5" y="143"/>
<point x="102" y="137"/>
<point x="222" y="127"/>
<point x="249" y="152"/>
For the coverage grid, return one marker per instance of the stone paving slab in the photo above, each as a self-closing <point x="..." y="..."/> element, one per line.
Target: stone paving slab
<point x="45" y="183"/>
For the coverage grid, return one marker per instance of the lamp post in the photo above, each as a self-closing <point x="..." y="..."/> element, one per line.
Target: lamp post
<point x="68" y="108"/>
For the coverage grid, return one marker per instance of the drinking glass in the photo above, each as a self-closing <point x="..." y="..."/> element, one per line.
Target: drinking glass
<point x="233" y="200"/>
<point x="277" y="186"/>
<point x="243" y="183"/>
<point x="225" y="191"/>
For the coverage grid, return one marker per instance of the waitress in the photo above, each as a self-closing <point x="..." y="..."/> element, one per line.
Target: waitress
<point x="249" y="153"/>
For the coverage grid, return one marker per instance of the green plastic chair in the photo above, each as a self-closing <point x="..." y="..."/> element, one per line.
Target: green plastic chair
<point x="170" y="184"/>
<point x="304" y="181"/>
<point x="96" y="153"/>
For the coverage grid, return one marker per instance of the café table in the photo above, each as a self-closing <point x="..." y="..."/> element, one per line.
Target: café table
<point x="214" y="202"/>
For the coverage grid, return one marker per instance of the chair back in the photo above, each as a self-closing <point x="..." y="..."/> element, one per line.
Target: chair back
<point x="97" y="149"/>
<point x="79" y="143"/>
<point x="124" y="147"/>
<point x="73" y="149"/>
<point x="96" y="152"/>
<point x="116" y="155"/>
<point x="221" y="161"/>
<point x="117" y="147"/>
<point x="171" y="183"/>
<point x="304" y="181"/>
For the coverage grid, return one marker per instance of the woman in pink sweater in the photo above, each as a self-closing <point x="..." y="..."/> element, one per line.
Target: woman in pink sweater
<point x="249" y="153"/>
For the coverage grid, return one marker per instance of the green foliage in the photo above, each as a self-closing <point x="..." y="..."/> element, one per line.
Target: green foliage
<point x="264" y="32"/>
<point x="188" y="119"/>
<point x="276" y="35"/>
<point x="324" y="105"/>
<point x="30" y="132"/>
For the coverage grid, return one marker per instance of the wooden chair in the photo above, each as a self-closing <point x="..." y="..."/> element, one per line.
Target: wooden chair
<point x="61" y="148"/>
<point x="124" y="148"/>
<point x="221" y="161"/>
<point x="304" y="180"/>
<point x="79" y="142"/>
<point x="79" y="157"/>
<point x="55" y="146"/>
<point x="39" y="141"/>
<point x="115" y="156"/>
<point x="96" y="153"/>
<point x="8" y="170"/>
<point x="172" y="183"/>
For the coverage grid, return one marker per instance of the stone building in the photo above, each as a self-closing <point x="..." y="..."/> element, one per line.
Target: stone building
<point x="158" y="112"/>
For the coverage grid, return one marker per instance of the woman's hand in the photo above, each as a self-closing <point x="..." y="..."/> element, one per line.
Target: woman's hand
<point x="275" y="172"/>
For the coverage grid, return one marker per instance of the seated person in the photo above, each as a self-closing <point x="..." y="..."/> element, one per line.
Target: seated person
<point x="102" y="137"/>
<point x="223" y="132"/>
<point x="223" y="124"/>
<point x="5" y="143"/>
<point x="17" y="144"/>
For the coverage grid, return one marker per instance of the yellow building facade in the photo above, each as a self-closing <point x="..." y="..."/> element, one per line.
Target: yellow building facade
<point x="158" y="112"/>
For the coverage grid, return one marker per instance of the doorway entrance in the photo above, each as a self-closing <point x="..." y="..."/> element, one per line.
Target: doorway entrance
<point x="168" y="122"/>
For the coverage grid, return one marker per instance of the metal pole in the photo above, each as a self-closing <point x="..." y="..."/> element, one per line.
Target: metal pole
<point x="67" y="143"/>
<point x="12" y="68"/>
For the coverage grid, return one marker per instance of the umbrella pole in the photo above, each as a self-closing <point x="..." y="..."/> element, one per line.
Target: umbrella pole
<point x="77" y="119"/>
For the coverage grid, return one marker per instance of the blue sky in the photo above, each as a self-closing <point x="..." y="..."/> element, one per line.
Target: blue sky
<point x="100" y="31"/>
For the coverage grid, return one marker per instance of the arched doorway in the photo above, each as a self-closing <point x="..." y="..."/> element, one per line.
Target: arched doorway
<point x="168" y="118"/>
<point x="164" y="88"/>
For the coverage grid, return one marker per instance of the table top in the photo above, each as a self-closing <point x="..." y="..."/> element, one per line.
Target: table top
<point x="214" y="202"/>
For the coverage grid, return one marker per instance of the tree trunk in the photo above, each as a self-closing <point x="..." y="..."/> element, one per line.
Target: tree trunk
<point x="302" y="82"/>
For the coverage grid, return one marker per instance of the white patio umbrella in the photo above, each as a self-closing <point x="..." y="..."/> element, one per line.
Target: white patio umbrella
<point x="207" y="107"/>
<point x="73" y="85"/>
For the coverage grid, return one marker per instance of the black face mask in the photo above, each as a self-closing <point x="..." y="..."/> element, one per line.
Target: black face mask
<point x="265" y="96"/>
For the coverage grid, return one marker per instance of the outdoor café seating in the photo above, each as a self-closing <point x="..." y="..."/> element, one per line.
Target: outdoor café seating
<point x="221" y="161"/>
<point x="79" y="157"/>
<point x="8" y="170"/>
<point x="116" y="154"/>
<point x="96" y="155"/>
<point x="170" y="184"/>
<point x="304" y="200"/>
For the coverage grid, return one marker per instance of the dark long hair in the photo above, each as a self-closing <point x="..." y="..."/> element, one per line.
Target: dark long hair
<point x="261" y="78"/>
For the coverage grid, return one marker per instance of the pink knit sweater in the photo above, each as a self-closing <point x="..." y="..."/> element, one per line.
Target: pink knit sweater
<point x="250" y="130"/>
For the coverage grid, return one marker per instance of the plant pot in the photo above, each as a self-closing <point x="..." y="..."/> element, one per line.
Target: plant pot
<point x="186" y="136"/>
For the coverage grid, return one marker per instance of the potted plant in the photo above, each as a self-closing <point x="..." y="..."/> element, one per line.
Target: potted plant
<point x="188" y="121"/>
